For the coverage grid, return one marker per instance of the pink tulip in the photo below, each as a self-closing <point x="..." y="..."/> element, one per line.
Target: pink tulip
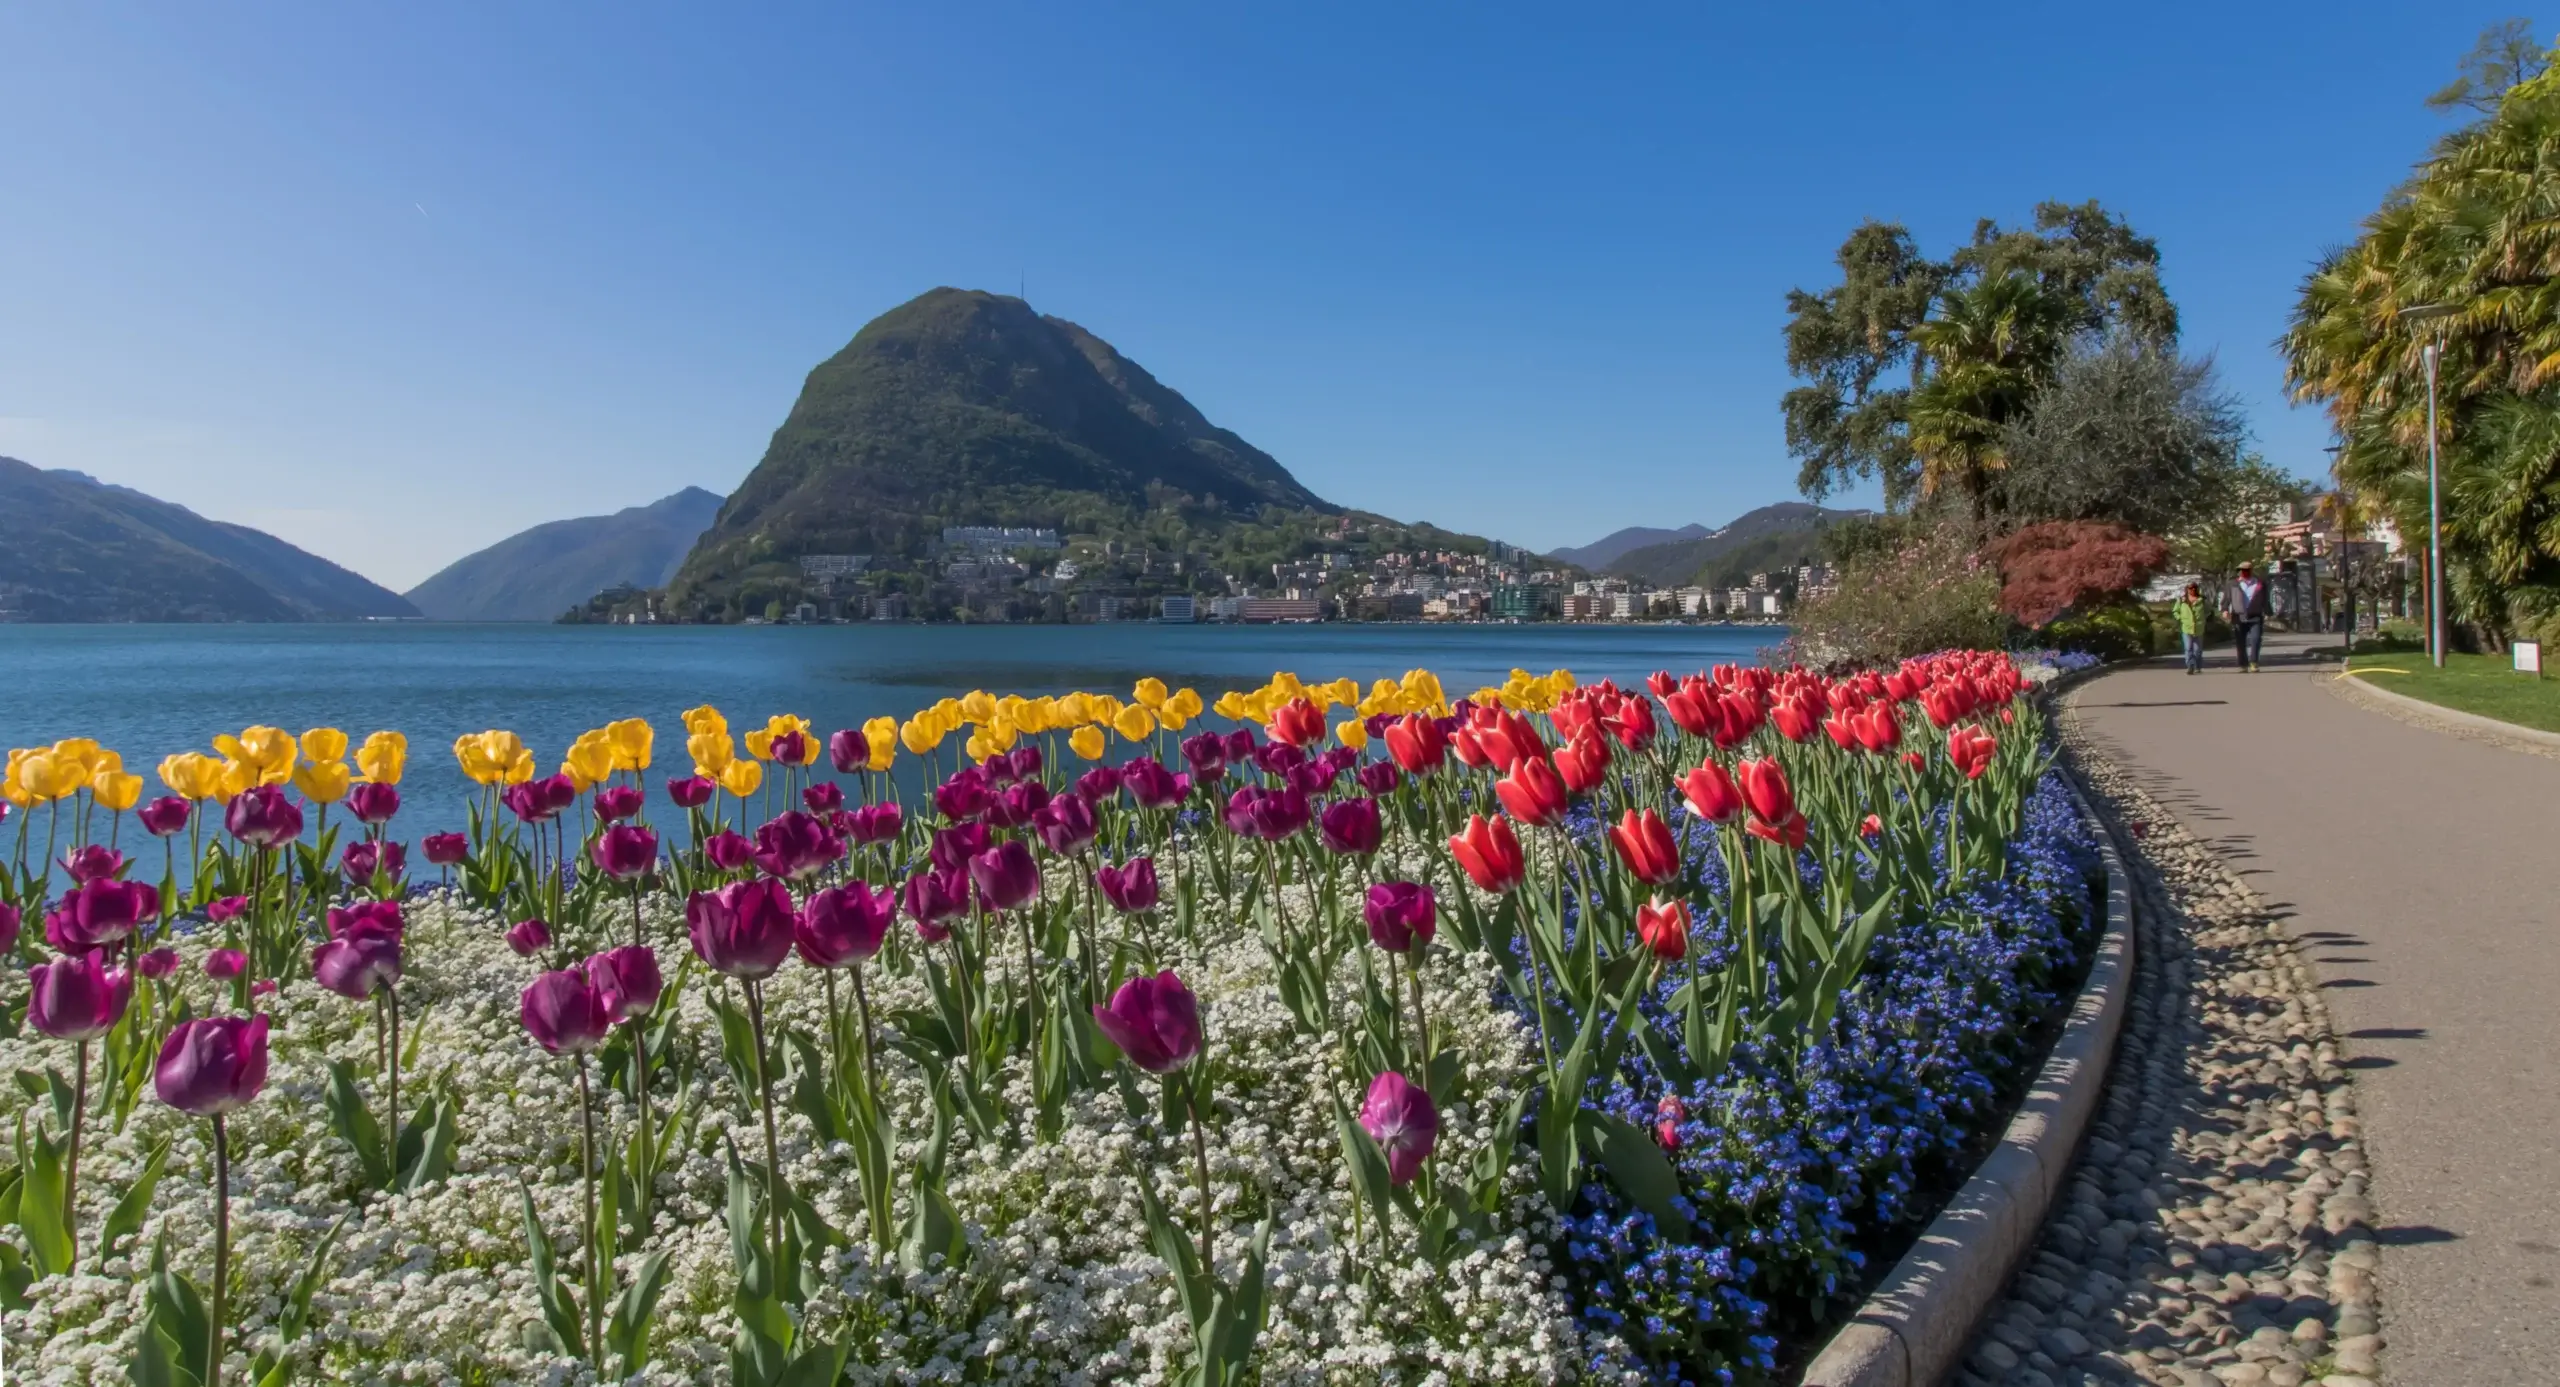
<point x="1400" y="1118"/>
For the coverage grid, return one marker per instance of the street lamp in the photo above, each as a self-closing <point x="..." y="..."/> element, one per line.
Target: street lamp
<point x="2428" y="312"/>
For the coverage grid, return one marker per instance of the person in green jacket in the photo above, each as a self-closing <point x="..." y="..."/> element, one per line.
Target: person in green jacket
<point x="2189" y="609"/>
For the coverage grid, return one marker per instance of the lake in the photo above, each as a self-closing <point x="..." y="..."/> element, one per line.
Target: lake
<point x="147" y="691"/>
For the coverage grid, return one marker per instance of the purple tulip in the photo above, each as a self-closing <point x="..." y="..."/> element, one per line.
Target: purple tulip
<point x="529" y="937"/>
<point x="1067" y="825"/>
<point x="935" y="896"/>
<point x="100" y="913"/>
<point x="1399" y="1117"/>
<point x="692" y="792"/>
<point x="77" y="998"/>
<point x="1278" y="758"/>
<point x="1207" y="754"/>
<point x="362" y="859"/>
<point x="164" y="816"/>
<point x="850" y="751"/>
<point x="446" y="849"/>
<point x="790" y="748"/>
<point x="1131" y="888"/>
<point x="539" y="801"/>
<point x="964" y="796"/>
<point x="157" y="964"/>
<point x="795" y="845"/>
<point x="1099" y="784"/>
<point x="1239" y="745"/>
<point x="1380" y="777"/>
<point x="843" y="924"/>
<point x="366" y="917"/>
<point x="1005" y="875"/>
<point x="1338" y="760"/>
<point x="625" y="851"/>
<point x="1401" y="915"/>
<point x="1376" y="724"/>
<point x="222" y="965"/>
<point x="1270" y="815"/>
<point x="627" y="980"/>
<point x="876" y="823"/>
<point x="1155" y="1022"/>
<point x="358" y="964"/>
<point x="262" y="816"/>
<point x="1016" y="805"/>
<point x="95" y="862"/>
<point x="728" y="851"/>
<point x="564" y="1013"/>
<point x="212" y="1066"/>
<point x="1352" y="826"/>
<point x="825" y="797"/>
<point x="10" y="920"/>
<point x="1023" y="762"/>
<point x="954" y="846"/>
<point x="618" y="802"/>
<point x="227" y="908"/>
<point x="373" y="802"/>
<point x="1149" y="783"/>
<point x="743" y="929"/>
<point x="263" y="987"/>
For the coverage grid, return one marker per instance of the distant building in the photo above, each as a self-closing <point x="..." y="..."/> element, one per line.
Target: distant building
<point x="1771" y="605"/>
<point x="1578" y="606"/>
<point x="998" y="539"/>
<point x="1226" y="609"/>
<point x="834" y="565"/>
<point x="1737" y="601"/>
<point x="1626" y="606"/>
<point x="889" y="606"/>
<point x="1280" y="609"/>
<point x="1178" y="608"/>
<point x="1524" y="601"/>
<point x="1696" y="602"/>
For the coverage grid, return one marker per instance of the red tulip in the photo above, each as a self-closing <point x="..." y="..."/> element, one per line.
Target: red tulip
<point x="1711" y="794"/>
<point x="1489" y="852"/>
<point x="1644" y="843"/>
<point x="1870" y="827"/>
<point x="1583" y="762"/>
<point x="1795" y="719"/>
<point x="1532" y="792"/>
<point x="1971" y="749"/>
<point x="214" y="1065"/>
<point x="1664" y="928"/>
<point x="1692" y="711"/>
<point x="1764" y="788"/>
<point x="1417" y="744"/>
<point x="1298" y="722"/>
<point x="1668" y="1115"/>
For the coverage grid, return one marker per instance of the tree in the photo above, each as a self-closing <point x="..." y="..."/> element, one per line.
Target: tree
<point x="1855" y="344"/>
<point x="2062" y="565"/>
<point x="1987" y="351"/>
<point x="2127" y="432"/>
<point x="2505" y="55"/>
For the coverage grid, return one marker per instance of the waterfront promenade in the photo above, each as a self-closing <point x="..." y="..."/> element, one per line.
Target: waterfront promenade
<point x="2415" y="871"/>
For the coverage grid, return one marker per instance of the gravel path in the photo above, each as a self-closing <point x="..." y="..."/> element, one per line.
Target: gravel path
<point x="2216" y="1229"/>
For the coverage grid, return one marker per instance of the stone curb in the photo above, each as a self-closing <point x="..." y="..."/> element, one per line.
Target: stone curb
<point x="1913" y="1330"/>
<point x="2355" y="689"/>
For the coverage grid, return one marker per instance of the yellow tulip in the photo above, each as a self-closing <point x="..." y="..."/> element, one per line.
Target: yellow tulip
<point x="1087" y="742"/>
<point x="590" y="761"/>
<point x="704" y="719"/>
<point x="881" y="735"/>
<point x="1343" y="691"/>
<point x="632" y="740"/>
<point x="1352" y="732"/>
<point x="1180" y="709"/>
<point x="383" y="758"/>
<point x="521" y="769"/>
<point x="920" y="735"/>
<point x="324" y="744"/>
<point x="236" y="779"/>
<point x="980" y="747"/>
<point x="978" y="708"/>
<point x="760" y="744"/>
<point x="10" y="789"/>
<point x="1150" y="693"/>
<point x="1134" y="723"/>
<point x="324" y="782"/>
<point x="116" y="790"/>
<point x="79" y="758"/>
<point x="1231" y="706"/>
<point x="712" y="754"/>
<point x="742" y="777"/>
<point x="267" y="751"/>
<point x="1074" y="710"/>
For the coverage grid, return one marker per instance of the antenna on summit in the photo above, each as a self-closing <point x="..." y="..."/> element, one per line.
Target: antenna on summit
<point x="1022" y="288"/>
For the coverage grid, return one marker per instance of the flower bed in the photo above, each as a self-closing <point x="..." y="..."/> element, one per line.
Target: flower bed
<point x="1075" y="1067"/>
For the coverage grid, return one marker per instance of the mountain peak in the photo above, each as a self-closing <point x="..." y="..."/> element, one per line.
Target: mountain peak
<point x="536" y="574"/>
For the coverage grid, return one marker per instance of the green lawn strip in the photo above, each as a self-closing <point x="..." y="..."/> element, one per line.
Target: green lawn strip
<point x="2484" y="684"/>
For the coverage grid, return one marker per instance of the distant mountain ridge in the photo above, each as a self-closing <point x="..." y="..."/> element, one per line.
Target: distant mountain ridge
<point x="78" y="549"/>
<point x="537" y="574"/>
<point x="1783" y="535"/>
<point x="1600" y="552"/>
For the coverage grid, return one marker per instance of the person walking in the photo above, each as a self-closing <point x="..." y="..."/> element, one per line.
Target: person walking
<point x="2189" y="609"/>
<point x="2246" y="603"/>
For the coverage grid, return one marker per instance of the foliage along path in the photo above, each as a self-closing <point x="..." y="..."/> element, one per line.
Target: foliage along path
<point x="2413" y="869"/>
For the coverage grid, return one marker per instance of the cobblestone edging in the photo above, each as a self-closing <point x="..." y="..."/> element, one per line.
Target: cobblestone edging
<point x="2216" y="1231"/>
<point x="1912" y="1329"/>
<point x="2437" y="718"/>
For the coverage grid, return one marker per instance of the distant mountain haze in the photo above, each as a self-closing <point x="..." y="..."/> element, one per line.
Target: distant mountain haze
<point x="537" y="574"/>
<point x="1598" y="553"/>
<point x="1773" y="537"/>
<point x="78" y="549"/>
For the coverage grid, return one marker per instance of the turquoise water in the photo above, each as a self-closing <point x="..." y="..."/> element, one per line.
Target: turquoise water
<point x="147" y="691"/>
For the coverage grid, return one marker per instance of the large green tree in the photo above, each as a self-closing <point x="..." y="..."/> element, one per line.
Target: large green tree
<point x="1869" y="347"/>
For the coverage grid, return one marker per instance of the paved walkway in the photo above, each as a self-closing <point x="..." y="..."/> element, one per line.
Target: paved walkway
<point x="2416" y="869"/>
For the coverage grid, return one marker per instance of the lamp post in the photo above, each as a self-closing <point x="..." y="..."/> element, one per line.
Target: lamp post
<point x="2435" y="523"/>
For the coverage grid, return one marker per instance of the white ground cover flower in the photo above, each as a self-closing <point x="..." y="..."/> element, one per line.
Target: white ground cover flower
<point x="1060" y="1284"/>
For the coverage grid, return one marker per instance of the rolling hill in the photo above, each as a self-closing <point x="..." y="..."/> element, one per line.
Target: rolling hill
<point x="1599" y="553"/>
<point x="78" y="549"/>
<point x="1776" y="536"/>
<point x="539" y="573"/>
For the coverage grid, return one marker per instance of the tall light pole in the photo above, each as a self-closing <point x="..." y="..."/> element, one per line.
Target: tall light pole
<point x="2435" y="522"/>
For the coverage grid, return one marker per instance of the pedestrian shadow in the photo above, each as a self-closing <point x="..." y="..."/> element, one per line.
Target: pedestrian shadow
<point x="2413" y="1234"/>
<point x="2351" y="982"/>
<point x="2389" y="1033"/>
<point x="2367" y="1062"/>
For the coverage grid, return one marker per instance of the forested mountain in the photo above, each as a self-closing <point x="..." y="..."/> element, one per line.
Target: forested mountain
<point x="539" y="573"/>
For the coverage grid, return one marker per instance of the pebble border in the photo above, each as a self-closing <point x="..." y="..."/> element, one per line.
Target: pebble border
<point x="1914" y="1328"/>
<point x="2435" y="717"/>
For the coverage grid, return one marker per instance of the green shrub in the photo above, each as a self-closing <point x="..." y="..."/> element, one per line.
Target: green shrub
<point x="2120" y="632"/>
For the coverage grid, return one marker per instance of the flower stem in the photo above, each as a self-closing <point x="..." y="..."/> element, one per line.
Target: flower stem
<point x="221" y="1250"/>
<point x="71" y="1170"/>
<point x="772" y="1147"/>
<point x="587" y="1173"/>
<point x="1200" y="1163"/>
<point x="391" y="1131"/>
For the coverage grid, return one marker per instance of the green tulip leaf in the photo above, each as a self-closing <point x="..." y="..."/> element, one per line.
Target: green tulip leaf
<point x="125" y="1219"/>
<point x="1638" y="1168"/>
<point x="40" y="1207"/>
<point x="353" y="1120"/>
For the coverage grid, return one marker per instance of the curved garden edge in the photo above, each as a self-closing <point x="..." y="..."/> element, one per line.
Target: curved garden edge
<point x="1913" y="1330"/>
<point x="2437" y="717"/>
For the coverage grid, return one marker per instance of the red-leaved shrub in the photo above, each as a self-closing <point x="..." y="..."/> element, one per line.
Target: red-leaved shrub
<point x="2052" y="568"/>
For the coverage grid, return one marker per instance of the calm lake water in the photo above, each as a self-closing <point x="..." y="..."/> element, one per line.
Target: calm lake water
<point x="150" y="690"/>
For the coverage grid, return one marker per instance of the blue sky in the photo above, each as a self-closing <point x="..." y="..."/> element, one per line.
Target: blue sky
<point x="396" y="281"/>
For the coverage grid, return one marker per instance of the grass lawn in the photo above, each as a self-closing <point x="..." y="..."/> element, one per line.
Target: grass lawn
<point x="2484" y="684"/>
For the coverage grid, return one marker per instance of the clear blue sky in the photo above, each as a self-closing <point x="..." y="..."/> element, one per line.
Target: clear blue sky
<point x="394" y="281"/>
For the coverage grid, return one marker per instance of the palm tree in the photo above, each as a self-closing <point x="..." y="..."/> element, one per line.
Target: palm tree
<point x="1987" y="349"/>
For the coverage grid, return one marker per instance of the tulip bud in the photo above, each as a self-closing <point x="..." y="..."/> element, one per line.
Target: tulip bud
<point x="222" y="965"/>
<point x="529" y="937"/>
